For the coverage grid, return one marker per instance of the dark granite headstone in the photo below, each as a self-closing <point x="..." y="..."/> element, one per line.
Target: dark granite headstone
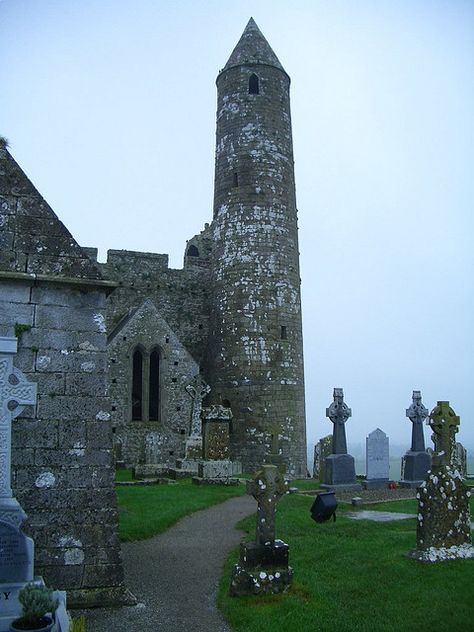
<point x="339" y="466"/>
<point x="417" y="461"/>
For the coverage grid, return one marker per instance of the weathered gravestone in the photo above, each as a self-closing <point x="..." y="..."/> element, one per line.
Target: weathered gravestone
<point x="216" y="467"/>
<point x="188" y="466"/>
<point x="263" y="566"/>
<point x="339" y="466"/>
<point x="459" y="460"/>
<point x="377" y="460"/>
<point x="417" y="461"/>
<point x="322" y="449"/>
<point x="444" y="521"/>
<point x="16" y="549"/>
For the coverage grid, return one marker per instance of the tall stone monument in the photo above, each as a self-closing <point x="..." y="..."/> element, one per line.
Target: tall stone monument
<point x="216" y="466"/>
<point x="339" y="466"/>
<point x="377" y="460"/>
<point x="416" y="462"/>
<point x="16" y="549"/>
<point x="263" y="566"/>
<point x="444" y="520"/>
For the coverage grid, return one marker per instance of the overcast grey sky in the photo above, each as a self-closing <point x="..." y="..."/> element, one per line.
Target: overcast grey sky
<point x="109" y="107"/>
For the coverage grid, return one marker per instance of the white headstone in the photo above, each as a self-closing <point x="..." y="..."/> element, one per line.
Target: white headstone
<point x="377" y="458"/>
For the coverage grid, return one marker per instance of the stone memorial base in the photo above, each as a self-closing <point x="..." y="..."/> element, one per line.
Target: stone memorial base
<point x="215" y="473"/>
<point x="198" y="480"/>
<point x="343" y="487"/>
<point x="410" y="484"/>
<point x="185" y="468"/>
<point x="444" y="521"/>
<point x="375" y="483"/>
<point x="150" y="470"/>
<point x="262" y="569"/>
<point x="415" y="466"/>
<point x="193" y="448"/>
<point x="340" y="473"/>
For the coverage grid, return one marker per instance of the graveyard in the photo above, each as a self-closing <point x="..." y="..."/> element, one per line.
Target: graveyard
<point x="154" y="469"/>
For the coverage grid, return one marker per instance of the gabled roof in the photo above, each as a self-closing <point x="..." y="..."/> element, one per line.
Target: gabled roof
<point x="145" y="324"/>
<point x="253" y="48"/>
<point x="32" y="237"/>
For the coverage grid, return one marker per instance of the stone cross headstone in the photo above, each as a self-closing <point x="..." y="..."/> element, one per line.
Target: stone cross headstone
<point x="339" y="412"/>
<point x="267" y="488"/>
<point x="263" y="566"/>
<point x="16" y="549"/>
<point x="444" y="520"/>
<point x="339" y="466"/>
<point x="445" y="423"/>
<point x="197" y="390"/>
<point x="416" y="461"/>
<point x="377" y="460"/>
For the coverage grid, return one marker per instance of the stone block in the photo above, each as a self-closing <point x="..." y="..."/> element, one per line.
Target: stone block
<point x="11" y="313"/>
<point x="215" y="469"/>
<point x="340" y="469"/>
<point x="48" y="295"/>
<point x="11" y="292"/>
<point x="415" y="468"/>
<point x="72" y="319"/>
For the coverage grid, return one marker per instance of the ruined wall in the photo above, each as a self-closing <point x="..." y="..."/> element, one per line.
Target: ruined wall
<point x="181" y="296"/>
<point x="158" y="440"/>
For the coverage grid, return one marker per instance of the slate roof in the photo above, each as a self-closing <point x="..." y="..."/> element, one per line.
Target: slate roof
<point x="253" y="48"/>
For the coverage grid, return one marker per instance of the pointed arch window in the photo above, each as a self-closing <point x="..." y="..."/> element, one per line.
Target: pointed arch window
<point x="145" y="386"/>
<point x="137" y="385"/>
<point x="154" y="386"/>
<point x="253" y="84"/>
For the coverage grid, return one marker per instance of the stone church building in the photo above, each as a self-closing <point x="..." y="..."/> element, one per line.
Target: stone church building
<point x="122" y="351"/>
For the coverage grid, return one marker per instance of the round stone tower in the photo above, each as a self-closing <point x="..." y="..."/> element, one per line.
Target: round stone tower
<point x="256" y="349"/>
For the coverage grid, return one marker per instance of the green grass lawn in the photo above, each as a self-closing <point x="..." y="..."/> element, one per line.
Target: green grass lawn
<point x="354" y="576"/>
<point x="145" y="511"/>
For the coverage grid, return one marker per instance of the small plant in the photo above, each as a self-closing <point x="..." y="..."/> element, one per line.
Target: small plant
<point x="20" y="329"/>
<point x="78" y="625"/>
<point x="36" y="602"/>
<point x="3" y="142"/>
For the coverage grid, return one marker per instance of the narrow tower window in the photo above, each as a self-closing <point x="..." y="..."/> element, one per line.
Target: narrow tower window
<point x="235" y="182"/>
<point x="154" y="386"/>
<point x="192" y="251"/>
<point x="253" y="84"/>
<point x="283" y="333"/>
<point x="137" y="385"/>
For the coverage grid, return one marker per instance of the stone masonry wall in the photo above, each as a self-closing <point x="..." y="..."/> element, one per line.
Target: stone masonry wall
<point x="61" y="456"/>
<point x="159" y="440"/>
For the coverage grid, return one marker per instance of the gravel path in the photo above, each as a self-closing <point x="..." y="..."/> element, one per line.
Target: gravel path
<point x="175" y="575"/>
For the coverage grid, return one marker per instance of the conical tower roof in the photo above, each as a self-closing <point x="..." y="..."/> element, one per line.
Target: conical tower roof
<point x="253" y="48"/>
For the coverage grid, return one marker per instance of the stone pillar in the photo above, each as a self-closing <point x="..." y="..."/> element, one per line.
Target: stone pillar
<point x="263" y="566"/>
<point x="416" y="462"/>
<point x="339" y="466"/>
<point x="444" y="519"/>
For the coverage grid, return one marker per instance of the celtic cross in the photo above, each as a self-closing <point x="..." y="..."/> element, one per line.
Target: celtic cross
<point x="15" y="394"/>
<point x="417" y="413"/>
<point x="197" y="390"/>
<point x="267" y="487"/>
<point x="445" y="423"/>
<point x="339" y="412"/>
